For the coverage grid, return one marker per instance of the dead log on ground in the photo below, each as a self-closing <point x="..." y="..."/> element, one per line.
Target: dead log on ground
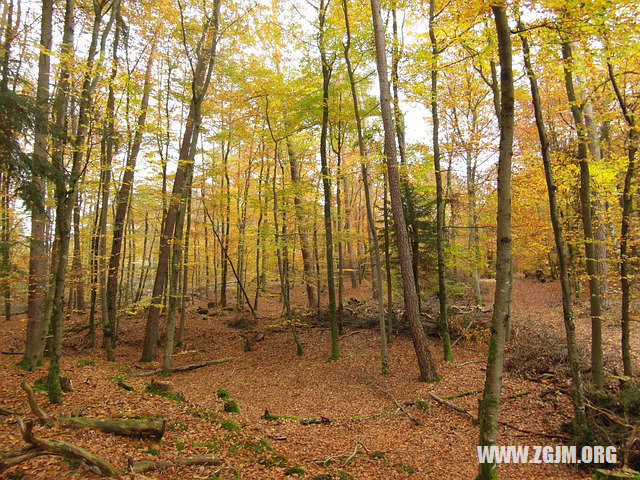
<point x="184" y="368"/>
<point x="135" y="427"/>
<point x="148" y="465"/>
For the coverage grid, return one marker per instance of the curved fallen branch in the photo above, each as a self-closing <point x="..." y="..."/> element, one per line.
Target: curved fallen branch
<point x="43" y="418"/>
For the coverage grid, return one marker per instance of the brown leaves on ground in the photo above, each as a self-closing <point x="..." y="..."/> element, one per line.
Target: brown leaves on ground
<point x="368" y="437"/>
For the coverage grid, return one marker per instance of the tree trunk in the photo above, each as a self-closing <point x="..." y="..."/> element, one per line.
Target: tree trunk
<point x="490" y="405"/>
<point x="122" y="206"/>
<point x="37" y="243"/>
<point x="327" y="67"/>
<point x="412" y="310"/>
<point x="595" y="297"/>
<point x="626" y="201"/>
<point x="579" y="422"/>
<point x="373" y="236"/>
<point x="200" y="84"/>
<point x="406" y="186"/>
<point x="442" y="284"/>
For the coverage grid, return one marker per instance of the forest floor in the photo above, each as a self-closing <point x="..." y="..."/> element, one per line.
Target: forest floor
<point x="368" y="437"/>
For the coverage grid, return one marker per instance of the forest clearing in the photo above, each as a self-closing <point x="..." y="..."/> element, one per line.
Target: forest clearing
<point x="326" y="240"/>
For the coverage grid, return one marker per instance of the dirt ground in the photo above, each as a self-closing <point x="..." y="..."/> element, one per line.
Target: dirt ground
<point x="368" y="436"/>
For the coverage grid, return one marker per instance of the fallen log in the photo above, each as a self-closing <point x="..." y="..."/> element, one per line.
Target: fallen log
<point x="184" y="368"/>
<point x="142" y="466"/>
<point x="135" y="427"/>
<point x="63" y="449"/>
<point x="303" y="420"/>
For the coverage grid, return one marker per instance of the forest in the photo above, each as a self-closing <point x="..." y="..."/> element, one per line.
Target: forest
<point x="319" y="239"/>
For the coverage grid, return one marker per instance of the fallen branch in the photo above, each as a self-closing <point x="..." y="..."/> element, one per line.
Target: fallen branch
<point x="63" y="449"/>
<point x="354" y="332"/>
<point x="462" y="394"/>
<point x="402" y="409"/>
<point x="184" y="368"/>
<point x="504" y="424"/>
<point x="148" y="465"/>
<point x="6" y="411"/>
<point x="137" y="427"/>
<point x="303" y="420"/>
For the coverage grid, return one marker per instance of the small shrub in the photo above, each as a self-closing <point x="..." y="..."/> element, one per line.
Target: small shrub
<point x="223" y="394"/>
<point x="231" y="406"/>
<point x="86" y="362"/>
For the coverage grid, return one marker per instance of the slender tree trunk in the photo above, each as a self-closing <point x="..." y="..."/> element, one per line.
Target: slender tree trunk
<point x="595" y="296"/>
<point x="307" y="264"/>
<point x="440" y="220"/>
<point x="626" y="201"/>
<point x="64" y="205"/>
<point x="122" y="206"/>
<point x="410" y="210"/>
<point x="327" y="67"/>
<point x="78" y="274"/>
<point x="490" y="405"/>
<point x="376" y="266"/>
<point x="412" y="310"/>
<point x="580" y="422"/>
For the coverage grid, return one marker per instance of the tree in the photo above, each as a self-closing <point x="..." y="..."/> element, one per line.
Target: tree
<point x="490" y="405"/>
<point x="595" y="295"/>
<point x="201" y="72"/>
<point x="34" y="343"/>
<point x="425" y="362"/>
<point x="579" y="421"/>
